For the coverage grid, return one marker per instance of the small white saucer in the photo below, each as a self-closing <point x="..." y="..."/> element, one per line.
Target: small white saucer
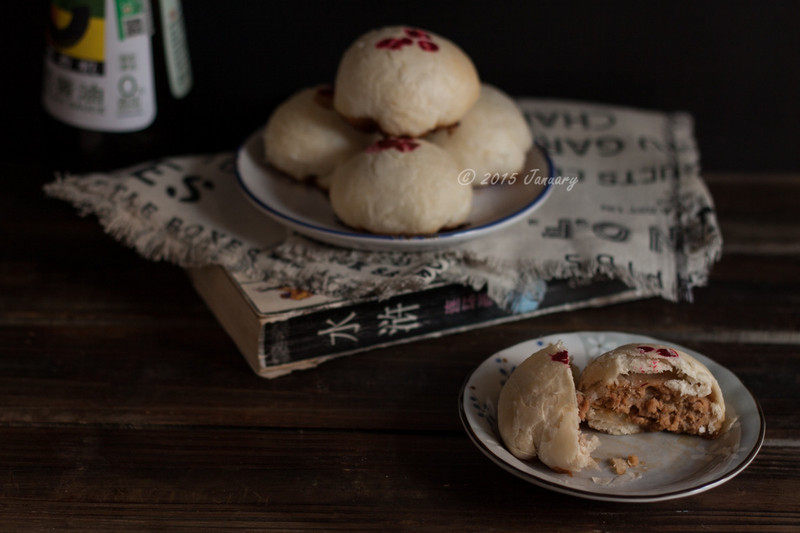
<point x="307" y="210"/>
<point x="673" y="466"/>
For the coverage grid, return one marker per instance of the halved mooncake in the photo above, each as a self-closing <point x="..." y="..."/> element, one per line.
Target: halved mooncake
<point x="537" y="414"/>
<point x="650" y="387"/>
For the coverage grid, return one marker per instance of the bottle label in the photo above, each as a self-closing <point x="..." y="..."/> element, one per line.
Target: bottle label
<point x="98" y="68"/>
<point x="176" y="51"/>
<point x="133" y="18"/>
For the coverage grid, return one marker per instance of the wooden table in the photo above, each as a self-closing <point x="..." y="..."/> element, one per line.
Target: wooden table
<point x="125" y="405"/>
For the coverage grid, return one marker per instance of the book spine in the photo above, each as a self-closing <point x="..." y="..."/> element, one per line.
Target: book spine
<point x="407" y="316"/>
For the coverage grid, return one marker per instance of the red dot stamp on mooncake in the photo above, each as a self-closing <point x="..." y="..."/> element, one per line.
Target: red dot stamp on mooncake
<point x="406" y="145"/>
<point x="560" y="357"/>
<point x="667" y="352"/>
<point x="428" y="46"/>
<point x="401" y="144"/>
<point x="417" y="34"/>
<point x="392" y="43"/>
<point x="644" y="349"/>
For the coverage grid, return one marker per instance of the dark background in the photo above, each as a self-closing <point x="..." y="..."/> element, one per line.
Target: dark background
<point x="734" y="65"/>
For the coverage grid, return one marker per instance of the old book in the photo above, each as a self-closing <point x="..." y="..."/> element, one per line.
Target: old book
<point x="280" y="329"/>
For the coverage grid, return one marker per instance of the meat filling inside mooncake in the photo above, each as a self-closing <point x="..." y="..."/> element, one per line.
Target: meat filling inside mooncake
<point x="650" y="388"/>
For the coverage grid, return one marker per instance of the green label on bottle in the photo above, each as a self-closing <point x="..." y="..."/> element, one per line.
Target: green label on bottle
<point x="176" y="50"/>
<point x="133" y="18"/>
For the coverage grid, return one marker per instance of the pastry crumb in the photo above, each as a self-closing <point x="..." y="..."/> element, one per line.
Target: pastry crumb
<point x="618" y="465"/>
<point x="561" y="470"/>
<point x="633" y="460"/>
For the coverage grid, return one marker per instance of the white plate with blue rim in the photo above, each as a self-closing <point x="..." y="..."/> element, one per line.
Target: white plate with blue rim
<point x="306" y="209"/>
<point x="671" y="466"/>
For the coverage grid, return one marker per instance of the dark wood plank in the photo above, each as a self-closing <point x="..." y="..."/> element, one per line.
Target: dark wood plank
<point x="757" y="212"/>
<point x="194" y="477"/>
<point x="144" y="375"/>
<point x="760" y="198"/>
